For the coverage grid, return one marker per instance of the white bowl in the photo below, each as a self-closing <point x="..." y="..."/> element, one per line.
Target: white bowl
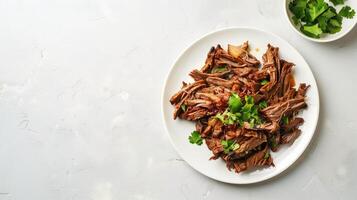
<point x="347" y="24"/>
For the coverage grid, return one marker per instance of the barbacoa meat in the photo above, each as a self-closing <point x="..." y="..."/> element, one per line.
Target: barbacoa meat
<point x="237" y="71"/>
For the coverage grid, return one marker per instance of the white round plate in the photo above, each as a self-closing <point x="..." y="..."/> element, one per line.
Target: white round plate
<point x="347" y="24"/>
<point x="179" y="130"/>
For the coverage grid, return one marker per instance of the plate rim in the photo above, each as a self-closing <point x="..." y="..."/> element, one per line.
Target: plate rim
<point x="282" y="169"/>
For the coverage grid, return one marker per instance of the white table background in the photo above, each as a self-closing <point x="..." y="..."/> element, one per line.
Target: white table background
<point x="80" y="89"/>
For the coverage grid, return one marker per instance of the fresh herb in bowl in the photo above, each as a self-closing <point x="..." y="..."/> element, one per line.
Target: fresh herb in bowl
<point x="316" y="17"/>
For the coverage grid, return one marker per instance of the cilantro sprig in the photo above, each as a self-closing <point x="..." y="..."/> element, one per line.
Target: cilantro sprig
<point x="238" y="113"/>
<point x="229" y="145"/>
<point x="195" y="138"/>
<point x="316" y="17"/>
<point x="347" y="12"/>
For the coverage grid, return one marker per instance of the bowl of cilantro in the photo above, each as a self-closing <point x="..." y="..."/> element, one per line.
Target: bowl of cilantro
<point x="321" y="20"/>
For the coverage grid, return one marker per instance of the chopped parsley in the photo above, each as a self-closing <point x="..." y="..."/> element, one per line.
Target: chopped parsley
<point x="195" y="138"/>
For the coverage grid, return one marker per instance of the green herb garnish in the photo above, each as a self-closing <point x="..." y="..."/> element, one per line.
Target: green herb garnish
<point x="264" y="82"/>
<point x="347" y="12"/>
<point x="237" y="113"/>
<point x="272" y="142"/>
<point x="219" y="69"/>
<point x="285" y="120"/>
<point x="263" y="104"/>
<point x="234" y="103"/>
<point x="229" y="145"/>
<point x="267" y="155"/>
<point x="183" y="107"/>
<point x="316" y="17"/>
<point x="195" y="138"/>
<point x="312" y="31"/>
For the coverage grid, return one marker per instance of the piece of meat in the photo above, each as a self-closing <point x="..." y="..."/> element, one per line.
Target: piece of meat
<point x="209" y="60"/>
<point x="226" y="61"/>
<point x="272" y="80"/>
<point x="290" y="137"/>
<point x="184" y="96"/>
<point x="229" y="135"/>
<point x="285" y="78"/>
<point x="268" y="126"/>
<point x="220" y="82"/>
<point x="184" y="90"/>
<point x="194" y="114"/>
<point x="198" y="75"/>
<point x="200" y="126"/>
<point x="296" y="122"/>
<point x="199" y="103"/>
<point x="214" y="144"/>
<point x="243" y="59"/>
<point x="302" y="90"/>
<point x="216" y="126"/>
<point x="276" y="111"/>
<point x="244" y="71"/>
<point x="249" y="144"/>
<point x="258" y="159"/>
<point x="208" y="96"/>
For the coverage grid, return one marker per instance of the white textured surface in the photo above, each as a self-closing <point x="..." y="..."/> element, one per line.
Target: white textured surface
<point x="80" y="88"/>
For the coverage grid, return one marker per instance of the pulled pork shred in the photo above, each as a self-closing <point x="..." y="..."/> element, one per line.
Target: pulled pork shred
<point x="242" y="74"/>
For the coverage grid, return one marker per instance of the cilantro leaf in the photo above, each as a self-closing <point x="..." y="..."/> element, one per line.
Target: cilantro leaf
<point x="347" y="12"/>
<point x="219" y="69"/>
<point x="264" y="82"/>
<point x="229" y="145"/>
<point x="337" y="2"/>
<point x="312" y="31"/>
<point x="249" y="99"/>
<point x="183" y="107"/>
<point x="195" y="138"/>
<point x="234" y="103"/>
<point x="316" y="8"/>
<point x="330" y="12"/>
<point x="285" y="120"/>
<point x="297" y="7"/>
<point x="252" y="123"/>
<point x="296" y="22"/>
<point x="323" y="19"/>
<point x="263" y="104"/>
<point x="335" y="24"/>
